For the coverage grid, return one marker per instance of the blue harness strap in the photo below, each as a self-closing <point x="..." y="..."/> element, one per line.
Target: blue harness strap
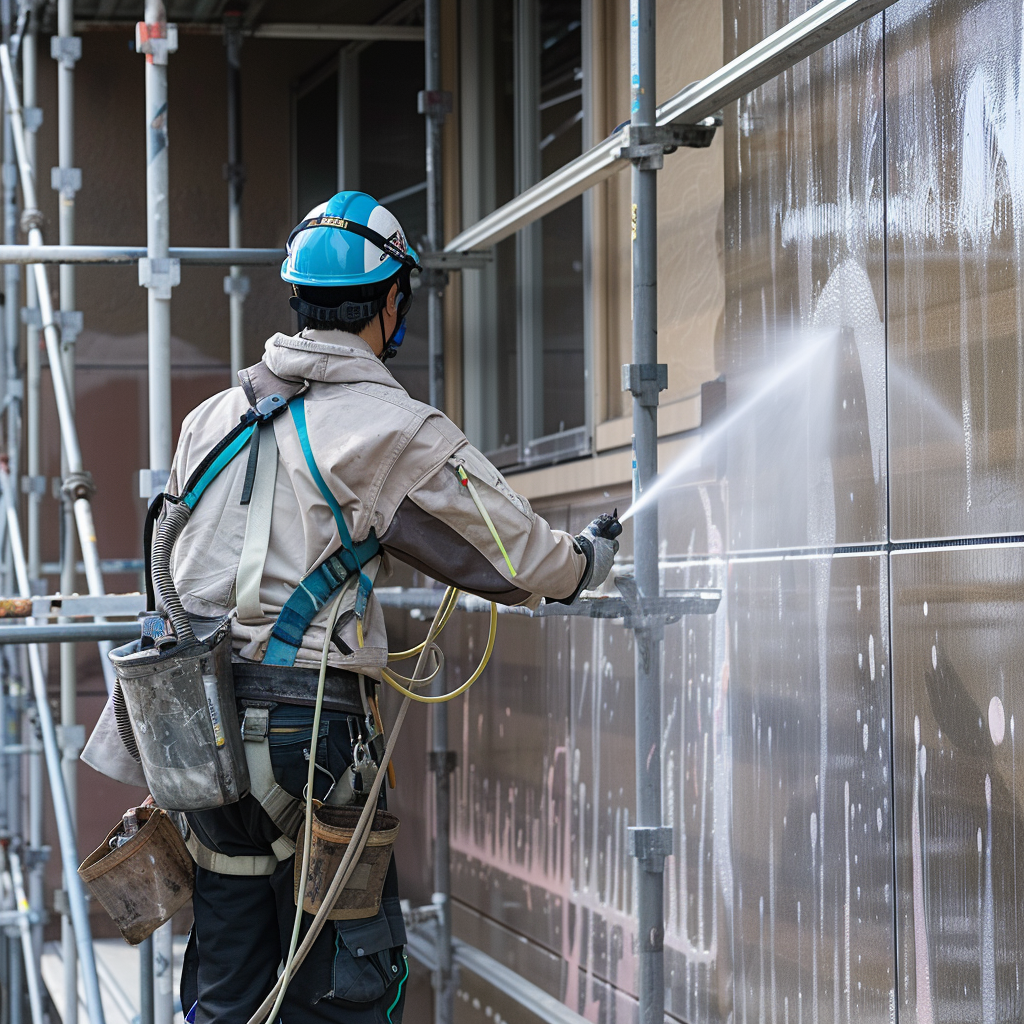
<point x="195" y="492"/>
<point x="326" y="580"/>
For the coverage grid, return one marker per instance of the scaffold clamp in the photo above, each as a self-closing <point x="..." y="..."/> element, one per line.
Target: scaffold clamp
<point x="434" y="102"/>
<point x="78" y="485"/>
<point x="236" y="285"/>
<point x="160" y="275"/>
<point x="647" y="144"/>
<point x="645" y="381"/>
<point x="152" y="482"/>
<point x="67" y="50"/>
<point x="156" y="41"/>
<point x="650" y="845"/>
<point x="442" y="762"/>
<point x="71" y="740"/>
<point x="66" y="180"/>
<point x="32" y="118"/>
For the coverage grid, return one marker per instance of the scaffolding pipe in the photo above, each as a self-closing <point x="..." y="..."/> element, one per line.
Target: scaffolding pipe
<point x="124" y="254"/>
<point x="35" y="836"/>
<point x="650" y="841"/>
<point x="442" y="763"/>
<point x="12" y="285"/>
<point x="33" y="952"/>
<point x="35" y="998"/>
<point x="235" y="284"/>
<point x="70" y="748"/>
<point x="77" y="481"/>
<point x="61" y="810"/>
<point x="158" y="273"/>
<point x="433" y="104"/>
<point x="32" y="358"/>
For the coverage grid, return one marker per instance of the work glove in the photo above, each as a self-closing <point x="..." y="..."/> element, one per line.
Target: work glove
<point x="598" y="542"/>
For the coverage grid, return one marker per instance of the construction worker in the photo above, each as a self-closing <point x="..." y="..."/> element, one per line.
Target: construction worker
<point x="396" y="470"/>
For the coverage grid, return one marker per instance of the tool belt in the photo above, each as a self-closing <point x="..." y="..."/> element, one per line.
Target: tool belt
<point x="283" y="684"/>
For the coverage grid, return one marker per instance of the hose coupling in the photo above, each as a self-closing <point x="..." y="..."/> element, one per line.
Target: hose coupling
<point x="78" y="485"/>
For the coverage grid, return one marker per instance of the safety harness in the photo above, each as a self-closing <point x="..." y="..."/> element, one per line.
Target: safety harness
<point x="314" y="591"/>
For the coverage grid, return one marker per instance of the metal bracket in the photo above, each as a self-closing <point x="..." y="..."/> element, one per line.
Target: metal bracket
<point x="32" y="118"/>
<point x="160" y="275"/>
<point x="33" y="485"/>
<point x="434" y="102"/>
<point x="71" y="740"/>
<point x="414" y="916"/>
<point x="68" y="321"/>
<point x="442" y="762"/>
<point x="154" y="44"/>
<point x="236" y="285"/>
<point x="66" y="180"/>
<point x="433" y="277"/>
<point x="234" y="174"/>
<point x="650" y="845"/>
<point x="35" y="855"/>
<point x="78" y="485"/>
<point x="647" y="144"/>
<point x="31" y="218"/>
<point x="67" y="50"/>
<point x="152" y="482"/>
<point x="644" y="381"/>
<point x="61" y="903"/>
<point x="456" y="260"/>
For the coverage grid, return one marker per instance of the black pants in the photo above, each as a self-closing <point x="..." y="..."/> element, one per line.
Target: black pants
<point x="356" y="971"/>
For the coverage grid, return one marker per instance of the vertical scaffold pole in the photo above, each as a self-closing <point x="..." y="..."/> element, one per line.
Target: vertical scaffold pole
<point x="650" y="842"/>
<point x="442" y="764"/>
<point x="64" y="178"/>
<point x="12" y="287"/>
<point x="236" y="285"/>
<point x="435" y="104"/>
<point x="157" y="272"/>
<point x="13" y="718"/>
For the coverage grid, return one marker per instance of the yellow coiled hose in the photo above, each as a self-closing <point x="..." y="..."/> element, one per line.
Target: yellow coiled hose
<point x="403" y="684"/>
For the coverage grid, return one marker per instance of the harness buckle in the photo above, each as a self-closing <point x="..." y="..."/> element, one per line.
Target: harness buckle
<point x="269" y="406"/>
<point x="255" y="724"/>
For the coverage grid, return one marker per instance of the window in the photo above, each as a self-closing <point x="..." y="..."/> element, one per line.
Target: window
<point x="523" y="344"/>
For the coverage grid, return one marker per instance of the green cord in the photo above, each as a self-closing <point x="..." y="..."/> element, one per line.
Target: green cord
<point x="401" y="985"/>
<point x="466" y="482"/>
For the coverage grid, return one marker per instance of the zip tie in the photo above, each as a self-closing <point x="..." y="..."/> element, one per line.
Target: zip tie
<point x="466" y="482"/>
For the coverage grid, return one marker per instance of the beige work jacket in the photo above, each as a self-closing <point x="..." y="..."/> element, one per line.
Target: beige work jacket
<point x="392" y="464"/>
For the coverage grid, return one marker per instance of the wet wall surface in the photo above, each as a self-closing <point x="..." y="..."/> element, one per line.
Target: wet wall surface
<point x="839" y="738"/>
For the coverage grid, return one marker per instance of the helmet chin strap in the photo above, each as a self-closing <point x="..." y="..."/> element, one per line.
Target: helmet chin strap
<point x="388" y="350"/>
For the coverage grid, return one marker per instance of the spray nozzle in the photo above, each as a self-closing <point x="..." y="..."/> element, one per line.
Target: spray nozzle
<point x="608" y="525"/>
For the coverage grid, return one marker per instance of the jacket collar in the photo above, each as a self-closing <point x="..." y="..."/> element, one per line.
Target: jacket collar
<point x="334" y="357"/>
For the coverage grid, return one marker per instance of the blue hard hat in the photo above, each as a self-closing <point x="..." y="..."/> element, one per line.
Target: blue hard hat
<point x="349" y="240"/>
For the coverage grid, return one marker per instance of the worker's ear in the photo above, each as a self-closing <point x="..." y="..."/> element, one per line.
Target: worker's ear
<point x="392" y="306"/>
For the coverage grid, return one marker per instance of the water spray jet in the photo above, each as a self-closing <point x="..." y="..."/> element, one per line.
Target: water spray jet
<point x="689" y="458"/>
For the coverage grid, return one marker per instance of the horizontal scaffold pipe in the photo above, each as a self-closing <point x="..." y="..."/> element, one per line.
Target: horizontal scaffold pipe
<point x="822" y="24"/>
<point x="69" y="632"/>
<point x="194" y="256"/>
<point x="278" y="30"/>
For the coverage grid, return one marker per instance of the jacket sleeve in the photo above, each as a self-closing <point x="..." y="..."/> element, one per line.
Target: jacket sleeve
<point x="439" y="529"/>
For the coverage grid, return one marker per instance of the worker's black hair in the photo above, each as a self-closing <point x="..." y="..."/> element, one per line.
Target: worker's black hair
<point x="333" y="298"/>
